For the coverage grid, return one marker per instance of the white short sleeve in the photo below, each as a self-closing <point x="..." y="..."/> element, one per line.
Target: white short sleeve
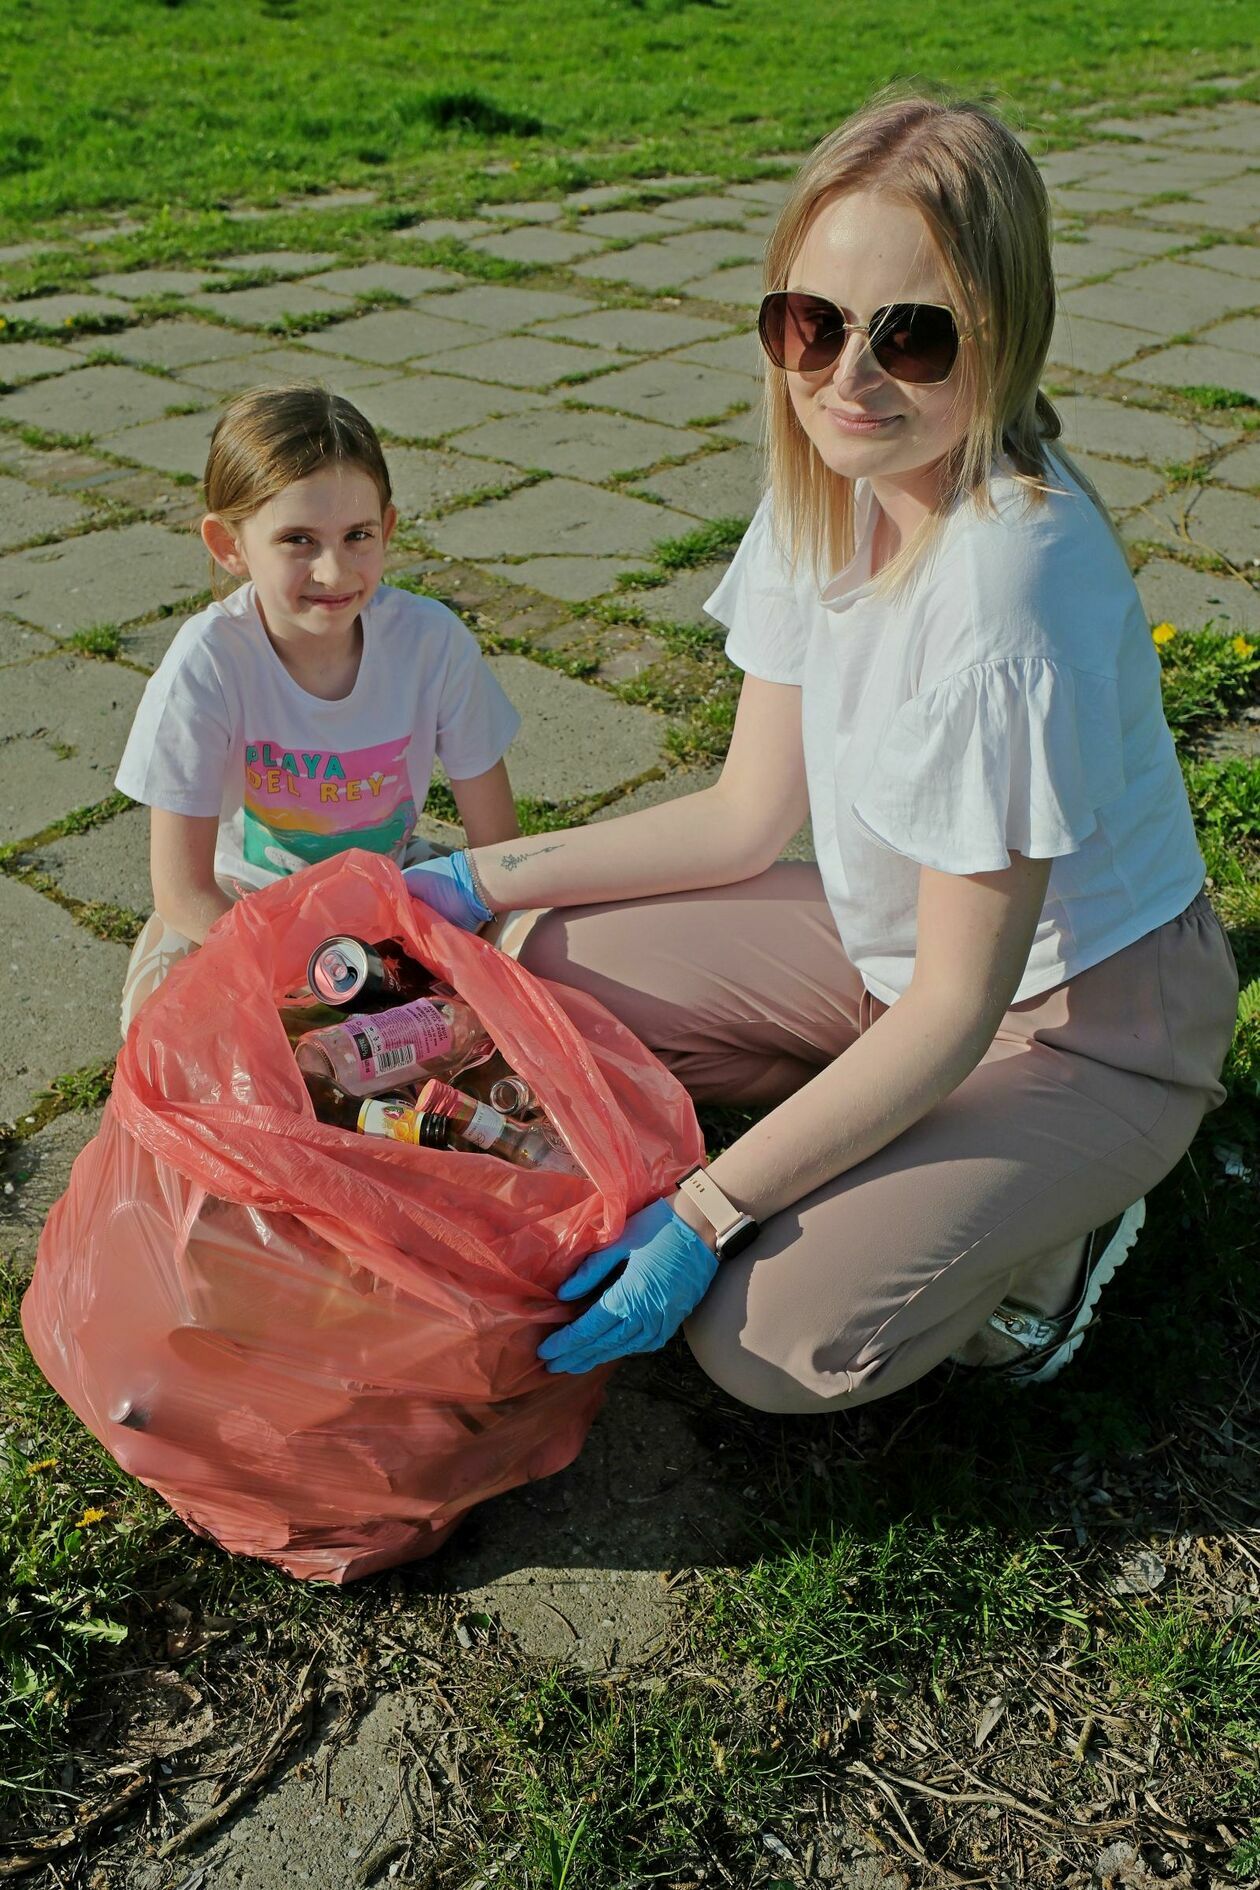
<point x="178" y="751"/>
<point x="757" y="603"/>
<point x="475" y="720"/>
<point x="1012" y="755"/>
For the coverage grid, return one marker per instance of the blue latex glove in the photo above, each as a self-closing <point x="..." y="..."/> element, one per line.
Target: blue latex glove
<point x="668" y="1272"/>
<point x="446" y="885"/>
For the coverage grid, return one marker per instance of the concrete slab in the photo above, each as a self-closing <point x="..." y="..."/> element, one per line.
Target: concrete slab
<point x="1240" y="332"/>
<point x="134" y="284"/>
<point x="634" y="330"/>
<point x="1197" y="364"/>
<point x="627" y="225"/>
<point x="574" y="740"/>
<point x="29" y="512"/>
<point x="110" y="863"/>
<point x="177" y="344"/>
<point x="675" y="392"/>
<point x="1128" y="432"/>
<point x="557" y="516"/>
<point x="540" y="210"/>
<point x="745" y="428"/>
<point x="742" y="287"/>
<point x="102" y="577"/>
<point x="427" y="406"/>
<point x="771" y="190"/>
<point x="1163" y="297"/>
<point x="522" y="361"/>
<point x="389" y="336"/>
<point x="275" y="367"/>
<point x="63" y="721"/>
<point x="676" y="785"/>
<point x="38" y="1171"/>
<point x="500" y="307"/>
<point x="263" y="307"/>
<point x="176" y="445"/>
<point x="576" y="580"/>
<point x="1093" y="347"/>
<point x="1093" y="254"/>
<point x="681" y="600"/>
<point x="646" y="266"/>
<point x="146" y="643"/>
<point x="599" y="196"/>
<point x="541" y="248"/>
<point x="433" y="229"/>
<point x="720" y="485"/>
<point x="703" y="251"/>
<point x="30" y="360"/>
<point x="96" y="400"/>
<point x="62" y="1011"/>
<point x="1240" y="468"/>
<point x="61" y="311"/>
<point x="425" y="482"/>
<point x="1227" y="522"/>
<point x="1217" y="207"/>
<point x="280" y="262"/>
<point x="738" y="354"/>
<point x="584" y="445"/>
<point x="1121" y="484"/>
<point x="1235" y="259"/>
<point x="399" y="278"/>
<point x="1173" y="593"/>
<point x="331" y="200"/>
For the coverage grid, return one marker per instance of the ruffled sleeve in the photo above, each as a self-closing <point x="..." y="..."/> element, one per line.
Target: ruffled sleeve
<point x="757" y="604"/>
<point x="1013" y="755"/>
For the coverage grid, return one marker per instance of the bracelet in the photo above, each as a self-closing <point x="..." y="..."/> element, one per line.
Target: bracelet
<point x="477" y="885"/>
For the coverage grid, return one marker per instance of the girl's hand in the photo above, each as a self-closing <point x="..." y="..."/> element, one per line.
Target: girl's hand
<point x="446" y="885"/>
<point x="668" y="1271"/>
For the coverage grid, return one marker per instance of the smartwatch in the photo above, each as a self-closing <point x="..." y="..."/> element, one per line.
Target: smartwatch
<point x="733" y="1228"/>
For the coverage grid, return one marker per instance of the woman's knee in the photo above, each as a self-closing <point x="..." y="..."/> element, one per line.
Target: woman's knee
<point x="714" y="1336"/>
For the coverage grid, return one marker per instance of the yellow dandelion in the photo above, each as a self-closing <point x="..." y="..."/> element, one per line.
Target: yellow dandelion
<point x="45" y="1463"/>
<point x="1241" y="647"/>
<point x="1164" y="632"/>
<point x="89" y="1517"/>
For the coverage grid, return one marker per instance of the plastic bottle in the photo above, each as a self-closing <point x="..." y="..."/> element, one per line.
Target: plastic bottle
<point x="434" y="1036"/>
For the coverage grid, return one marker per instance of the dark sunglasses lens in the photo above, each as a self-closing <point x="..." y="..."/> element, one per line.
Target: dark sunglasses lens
<point x="913" y="341"/>
<point x="802" y="333"/>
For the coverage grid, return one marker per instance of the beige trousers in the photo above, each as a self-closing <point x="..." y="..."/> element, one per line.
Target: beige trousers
<point x="1087" y="1097"/>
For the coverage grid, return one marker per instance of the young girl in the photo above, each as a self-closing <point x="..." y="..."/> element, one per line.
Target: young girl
<point x="301" y="714"/>
<point x="996" y="1011"/>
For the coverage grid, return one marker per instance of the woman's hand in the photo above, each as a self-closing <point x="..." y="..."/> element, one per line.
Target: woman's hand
<point x="667" y="1273"/>
<point x="446" y="885"/>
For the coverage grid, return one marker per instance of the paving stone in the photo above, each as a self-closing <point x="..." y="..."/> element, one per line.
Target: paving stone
<point x="762" y="190"/>
<point x="1095" y="255"/>
<point x="1181" y="170"/>
<point x="1067" y="167"/>
<point x="391" y="335"/>
<point x="681" y="600"/>
<point x="256" y="308"/>
<point x="559" y="515"/>
<point x="176" y="445"/>
<point x="521" y="361"/>
<point x="1094" y="347"/>
<point x="742" y="287"/>
<point x="1201" y="518"/>
<point x="1236" y="259"/>
<point x="1127" y="432"/>
<point x="703" y="251"/>
<point x="646" y="266"/>
<point x="739" y="354"/>
<point x="576" y="580"/>
<point x="1122" y="485"/>
<point x="280" y="262"/>
<point x="134" y="284"/>
<point x="1198" y="364"/>
<point x="424" y="480"/>
<point x="38" y="1169"/>
<point x="598" y="196"/>
<point x="672" y="786"/>
<point x="1242" y="135"/>
<point x="63" y="723"/>
<point x="109" y="864"/>
<point x="1090" y="197"/>
<point x="1241" y="468"/>
<point x="61" y="311"/>
<point x="1218" y="207"/>
<point x="19" y="252"/>
<point x="628" y="224"/>
<point x="398" y="278"/>
<point x="500" y="307"/>
<point x="102" y="577"/>
<point x="28" y="512"/>
<point x="1173" y="593"/>
<point x="427" y="406"/>
<point x="584" y="445"/>
<point x="675" y="392"/>
<point x="332" y="200"/>
<point x="745" y="428"/>
<point x="275" y="367"/>
<point x="28" y="360"/>
<point x="574" y="739"/>
<point x="721" y="485"/>
<point x="701" y="210"/>
<point x="96" y="400"/>
<point x="147" y="643"/>
<point x="542" y="211"/>
<point x="763" y="226"/>
<point x="433" y="229"/>
<point x="1164" y="297"/>
<point x="1241" y="333"/>
<point x="530" y="244"/>
<point x="63" y="987"/>
<point x="634" y="330"/>
<point x="177" y="344"/>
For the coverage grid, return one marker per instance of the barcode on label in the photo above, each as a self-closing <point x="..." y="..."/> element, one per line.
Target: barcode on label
<point x="395" y="1059"/>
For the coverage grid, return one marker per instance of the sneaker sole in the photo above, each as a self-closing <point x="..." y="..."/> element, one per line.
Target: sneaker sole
<point x="1104" y="1269"/>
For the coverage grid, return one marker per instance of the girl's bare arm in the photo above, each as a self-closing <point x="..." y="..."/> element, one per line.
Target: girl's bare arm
<point x="486" y="807"/>
<point x="181" y="866"/>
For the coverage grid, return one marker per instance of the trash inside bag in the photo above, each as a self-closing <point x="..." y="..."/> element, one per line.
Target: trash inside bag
<point x="319" y="1347"/>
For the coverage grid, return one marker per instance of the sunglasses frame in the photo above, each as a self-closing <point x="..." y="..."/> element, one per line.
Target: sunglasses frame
<point x="775" y="296"/>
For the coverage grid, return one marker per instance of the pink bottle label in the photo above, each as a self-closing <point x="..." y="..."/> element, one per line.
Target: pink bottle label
<point x="398" y="1041"/>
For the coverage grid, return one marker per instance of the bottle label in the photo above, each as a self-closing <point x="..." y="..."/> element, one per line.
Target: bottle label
<point x="485" y="1128"/>
<point x="400" y="1039"/>
<point x="382" y="1115"/>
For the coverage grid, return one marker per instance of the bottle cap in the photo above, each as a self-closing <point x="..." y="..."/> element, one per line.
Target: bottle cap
<point x="433" y="1131"/>
<point x="438" y="1098"/>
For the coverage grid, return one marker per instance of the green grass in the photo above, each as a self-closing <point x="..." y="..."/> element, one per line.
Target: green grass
<point x="192" y="106"/>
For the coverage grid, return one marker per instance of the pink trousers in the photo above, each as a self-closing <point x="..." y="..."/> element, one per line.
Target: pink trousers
<point x="1087" y="1096"/>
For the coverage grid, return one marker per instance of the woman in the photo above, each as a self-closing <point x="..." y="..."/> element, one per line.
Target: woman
<point x="996" y="1011"/>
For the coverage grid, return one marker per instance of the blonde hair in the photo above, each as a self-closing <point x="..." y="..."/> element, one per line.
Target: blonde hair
<point x="988" y="215"/>
<point x="270" y="437"/>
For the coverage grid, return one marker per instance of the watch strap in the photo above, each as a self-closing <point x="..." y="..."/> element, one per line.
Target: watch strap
<point x="732" y="1228"/>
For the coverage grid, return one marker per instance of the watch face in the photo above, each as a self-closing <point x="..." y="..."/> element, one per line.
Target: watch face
<point x="745" y="1230"/>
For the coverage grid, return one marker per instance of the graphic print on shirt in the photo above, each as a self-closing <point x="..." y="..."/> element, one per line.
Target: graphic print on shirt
<point x="301" y="805"/>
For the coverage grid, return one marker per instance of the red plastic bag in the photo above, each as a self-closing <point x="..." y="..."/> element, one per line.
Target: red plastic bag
<point x="320" y="1347"/>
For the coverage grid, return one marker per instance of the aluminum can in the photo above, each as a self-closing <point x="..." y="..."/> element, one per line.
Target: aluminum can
<point x="346" y="970"/>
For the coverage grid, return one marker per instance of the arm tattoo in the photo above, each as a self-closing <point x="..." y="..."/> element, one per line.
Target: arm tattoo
<point x="510" y="861"/>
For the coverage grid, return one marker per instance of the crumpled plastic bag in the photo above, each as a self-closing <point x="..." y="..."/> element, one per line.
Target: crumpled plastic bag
<point x="319" y="1347"/>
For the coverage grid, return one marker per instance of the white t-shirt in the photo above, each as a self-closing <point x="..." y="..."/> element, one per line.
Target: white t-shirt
<point x="223" y="728"/>
<point x="1009" y="698"/>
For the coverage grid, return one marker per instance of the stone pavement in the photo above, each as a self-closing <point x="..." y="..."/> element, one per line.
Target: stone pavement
<point x="545" y="436"/>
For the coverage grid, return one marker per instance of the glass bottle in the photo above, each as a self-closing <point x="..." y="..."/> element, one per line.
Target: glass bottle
<point x="335" y="1105"/>
<point x="365" y="1055"/>
<point x="475" y="1125"/>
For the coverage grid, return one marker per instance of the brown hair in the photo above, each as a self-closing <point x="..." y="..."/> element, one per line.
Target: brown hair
<point x="270" y="437"/>
<point x="988" y="215"/>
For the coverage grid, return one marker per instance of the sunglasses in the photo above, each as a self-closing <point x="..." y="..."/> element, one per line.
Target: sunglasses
<point x="911" y="341"/>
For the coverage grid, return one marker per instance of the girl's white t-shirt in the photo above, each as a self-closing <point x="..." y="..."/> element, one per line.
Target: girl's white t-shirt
<point x="1007" y="698"/>
<point x="223" y="728"/>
